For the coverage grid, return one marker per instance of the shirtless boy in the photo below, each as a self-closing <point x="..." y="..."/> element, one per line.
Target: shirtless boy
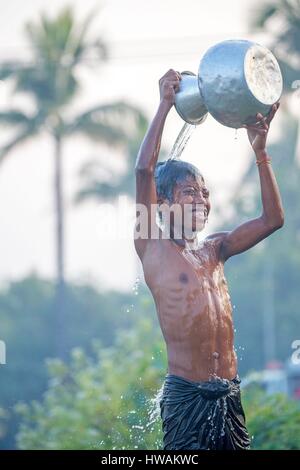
<point x="200" y="404"/>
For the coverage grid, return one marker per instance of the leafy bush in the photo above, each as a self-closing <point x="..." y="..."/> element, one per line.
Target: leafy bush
<point x="101" y="403"/>
<point x="273" y="420"/>
<point x="27" y="327"/>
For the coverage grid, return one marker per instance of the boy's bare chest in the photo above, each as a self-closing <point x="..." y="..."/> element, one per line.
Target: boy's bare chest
<point x="187" y="271"/>
<point x="190" y="290"/>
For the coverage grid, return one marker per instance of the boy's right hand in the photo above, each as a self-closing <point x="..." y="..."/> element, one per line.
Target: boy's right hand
<point x="168" y="86"/>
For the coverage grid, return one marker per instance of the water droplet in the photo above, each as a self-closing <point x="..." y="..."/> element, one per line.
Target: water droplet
<point x="135" y="287"/>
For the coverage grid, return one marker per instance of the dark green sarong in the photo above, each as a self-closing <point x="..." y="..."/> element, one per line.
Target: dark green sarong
<point x="202" y="415"/>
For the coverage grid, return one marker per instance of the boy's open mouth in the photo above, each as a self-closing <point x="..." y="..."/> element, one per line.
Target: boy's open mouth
<point x="199" y="211"/>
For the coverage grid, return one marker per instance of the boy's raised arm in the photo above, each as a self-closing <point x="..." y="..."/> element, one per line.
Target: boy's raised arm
<point x="149" y="151"/>
<point x="250" y="233"/>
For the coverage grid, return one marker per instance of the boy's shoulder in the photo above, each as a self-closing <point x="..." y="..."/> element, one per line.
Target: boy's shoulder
<point x="217" y="236"/>
<point x="216" y="240"/>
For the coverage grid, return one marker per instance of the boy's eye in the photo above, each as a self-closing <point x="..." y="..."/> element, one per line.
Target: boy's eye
<point x="189" y="191"/>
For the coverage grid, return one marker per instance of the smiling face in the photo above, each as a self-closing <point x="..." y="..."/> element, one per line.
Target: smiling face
<point x="193" y="197"/>
<point x="191" y="202"/>
<point x="183" y="197"/>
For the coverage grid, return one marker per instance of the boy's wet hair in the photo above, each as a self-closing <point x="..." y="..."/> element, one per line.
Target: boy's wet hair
<point x="169" y="173"/>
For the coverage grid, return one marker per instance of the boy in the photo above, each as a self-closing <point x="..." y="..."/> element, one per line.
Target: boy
<point x="200" y="403"/>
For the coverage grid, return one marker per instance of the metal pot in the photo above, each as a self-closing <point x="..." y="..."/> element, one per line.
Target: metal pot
<point x="236" y="80"/>
<point x="188" y="100"/>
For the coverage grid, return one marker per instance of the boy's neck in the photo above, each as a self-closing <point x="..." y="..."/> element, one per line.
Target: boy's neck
<point x="191" y="243"/>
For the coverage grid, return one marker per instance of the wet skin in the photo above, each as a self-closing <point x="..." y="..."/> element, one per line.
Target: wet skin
<point x="191" y="297"/>
<point x="189" y="286"/>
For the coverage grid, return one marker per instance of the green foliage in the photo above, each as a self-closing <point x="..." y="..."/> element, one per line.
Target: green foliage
<point x="273" y="421"/>
<point x="101" y="403"/>
<point x="27" y="316"/>
<point x="3" y="421"/>
<point x="106" y="402"/>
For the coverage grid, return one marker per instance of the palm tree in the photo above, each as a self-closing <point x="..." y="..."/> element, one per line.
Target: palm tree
<point x="60" y="46"/>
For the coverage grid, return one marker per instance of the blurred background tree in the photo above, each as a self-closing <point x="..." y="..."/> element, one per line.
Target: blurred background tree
<point x="282" y="20"/>
<point x="112" y="402"/>
<point x="99" y="183"/>
<point x="61" y="46"/>
<point x="26" y="310"/>
<point x="103" y="394"/>
<point x="273" y="420"/>
<point x="103" y="403"/>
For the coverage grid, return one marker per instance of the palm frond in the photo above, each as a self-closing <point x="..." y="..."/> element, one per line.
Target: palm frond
<point x="96" y="190"/>
<point x="80" y="47"/>
<point x="51" y="87"/>
<point x="97" y="184"/>
<point x="49" y="37"/>
<point x="111" y="123"/>
<point x="14" y="117"/>
<point x="59" y="45"/>
<point x="18" y="139"/>
<point x="9" y="69"/>
<point x="27" y="131"/>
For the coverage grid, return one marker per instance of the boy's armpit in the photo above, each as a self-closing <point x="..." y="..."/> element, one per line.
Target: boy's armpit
<point x="218" y="238"/>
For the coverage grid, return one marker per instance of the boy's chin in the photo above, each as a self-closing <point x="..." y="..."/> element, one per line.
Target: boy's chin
<point x="198" y="227"/>
<point x="194" y="229"/>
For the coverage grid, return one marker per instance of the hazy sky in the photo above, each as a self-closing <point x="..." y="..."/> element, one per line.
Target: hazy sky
<point x="146" y="39"/>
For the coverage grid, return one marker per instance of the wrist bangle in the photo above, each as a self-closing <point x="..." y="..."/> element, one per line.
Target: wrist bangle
<point x="263" y="160"/>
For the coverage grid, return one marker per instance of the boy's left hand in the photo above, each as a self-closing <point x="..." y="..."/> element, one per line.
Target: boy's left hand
<point x="258" y="132"/>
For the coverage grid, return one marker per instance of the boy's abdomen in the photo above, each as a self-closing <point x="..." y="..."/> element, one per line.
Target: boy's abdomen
<point x="198" y="330"/>
<point x="194" y="311"/>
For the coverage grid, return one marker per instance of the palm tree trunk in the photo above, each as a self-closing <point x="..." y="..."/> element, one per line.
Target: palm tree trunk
<point x="60" y="291"/>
